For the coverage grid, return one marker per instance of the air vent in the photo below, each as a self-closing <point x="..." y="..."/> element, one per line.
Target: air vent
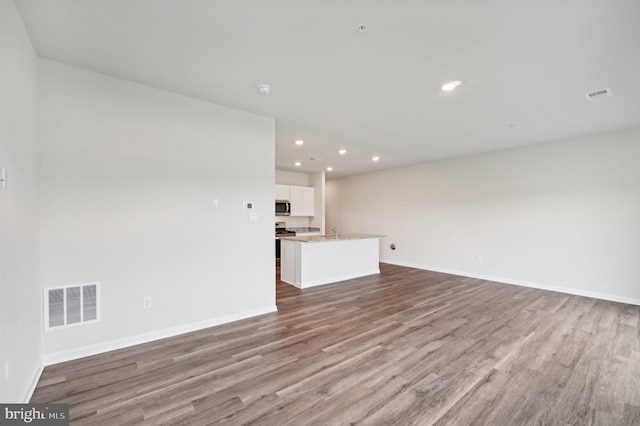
<point x="598" y="94"/>
<point x="71" y="305"/>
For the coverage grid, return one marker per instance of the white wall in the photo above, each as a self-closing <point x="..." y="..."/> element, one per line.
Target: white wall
<point x="317" y="180"/>
<point x="20" y="295"/>
<point x="563" y="214"/>
<point x="284" y="177"/>
<point x="127" y="182"/>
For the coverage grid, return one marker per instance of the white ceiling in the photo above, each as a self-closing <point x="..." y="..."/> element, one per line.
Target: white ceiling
<point x="525" y="67"/>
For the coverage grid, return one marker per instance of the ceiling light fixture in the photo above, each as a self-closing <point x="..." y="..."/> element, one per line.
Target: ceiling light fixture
<point x="298" y="164"/>
<point x="342" y="152"/>
<point x="299" y="142"/>
<point x="376" y="158"/>
<point x="447" y="87"/>
<point x="329" y="169"/>
<point x="264" y="89"/>
<point x="598" y="94"/>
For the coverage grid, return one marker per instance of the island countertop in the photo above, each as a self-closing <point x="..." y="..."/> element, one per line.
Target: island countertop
<point x="325" y="238"/>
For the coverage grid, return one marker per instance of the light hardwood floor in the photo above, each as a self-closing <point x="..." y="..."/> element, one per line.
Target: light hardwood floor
<point x="406" y="347"/>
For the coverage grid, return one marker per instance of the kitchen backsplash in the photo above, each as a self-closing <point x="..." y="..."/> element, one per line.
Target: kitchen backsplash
<point x="294" y="222"/>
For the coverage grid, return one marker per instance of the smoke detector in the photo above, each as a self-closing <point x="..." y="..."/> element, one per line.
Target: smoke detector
<point x="598" y="94"/>
<point x="264" y="89"/>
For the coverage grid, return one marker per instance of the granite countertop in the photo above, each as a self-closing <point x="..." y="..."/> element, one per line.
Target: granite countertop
<point x="304" y="229"/>
<point x="324" y="238"/>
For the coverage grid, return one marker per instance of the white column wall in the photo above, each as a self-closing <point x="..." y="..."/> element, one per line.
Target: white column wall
<point x="128" y="178"/>
<point x="20" y="294"/>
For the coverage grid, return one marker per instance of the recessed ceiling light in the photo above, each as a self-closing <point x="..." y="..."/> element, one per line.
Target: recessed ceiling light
<point x="264" y="89"/>
<point x="376" y="158"/>
<point x="598" y="94"/>
<point x="447" y="87"/>
<point x="342" y="152"/>
<point x="299" y="142"/>
<point x="329" y="169"/>
<point x="298" y="164"/>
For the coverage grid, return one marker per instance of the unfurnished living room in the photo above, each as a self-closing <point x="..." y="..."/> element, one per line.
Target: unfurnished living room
<point x="319" y="213"/>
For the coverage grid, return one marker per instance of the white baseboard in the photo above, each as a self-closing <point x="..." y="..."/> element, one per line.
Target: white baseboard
<point x="57" y="357"/>
<point x="34" y="383"/>
<point x="567" y="290"/>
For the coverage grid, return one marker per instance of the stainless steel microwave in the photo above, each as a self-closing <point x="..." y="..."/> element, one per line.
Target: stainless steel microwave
<point x="283" y="208"/>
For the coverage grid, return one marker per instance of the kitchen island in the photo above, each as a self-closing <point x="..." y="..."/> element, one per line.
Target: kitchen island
<point x="322" y="259"/>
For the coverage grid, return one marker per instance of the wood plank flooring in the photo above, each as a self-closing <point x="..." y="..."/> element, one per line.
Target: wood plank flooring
<point x="406" y="347"/>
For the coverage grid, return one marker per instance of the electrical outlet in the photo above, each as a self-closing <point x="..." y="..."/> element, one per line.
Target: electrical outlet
<point x="147" y="302"/>
<point x="478" y="259"/>
<point x="3" y="178"/>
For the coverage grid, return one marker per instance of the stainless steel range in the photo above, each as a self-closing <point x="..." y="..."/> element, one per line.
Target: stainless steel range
<point x="281" y="230"/>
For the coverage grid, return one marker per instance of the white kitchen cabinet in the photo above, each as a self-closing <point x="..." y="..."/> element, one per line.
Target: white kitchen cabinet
<point x="303" y="201"/>
<point x="282" y="192"/>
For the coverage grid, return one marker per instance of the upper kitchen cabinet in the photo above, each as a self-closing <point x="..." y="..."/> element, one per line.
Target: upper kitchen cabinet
<point x="282" y="192"/>
<point x="302" y="200"/>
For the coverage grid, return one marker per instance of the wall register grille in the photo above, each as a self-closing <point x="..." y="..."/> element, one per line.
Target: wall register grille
<point x="71" y="305"/>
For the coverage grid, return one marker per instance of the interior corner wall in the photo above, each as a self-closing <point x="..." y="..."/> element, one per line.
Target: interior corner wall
<point x="128" y="179"/>
<point x="317" y="180"/>
<point x="20" y="294"/>
<point x="560" y="215"/>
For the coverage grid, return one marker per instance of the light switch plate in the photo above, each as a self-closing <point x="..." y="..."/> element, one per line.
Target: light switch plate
<point x="147" y="302"/>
